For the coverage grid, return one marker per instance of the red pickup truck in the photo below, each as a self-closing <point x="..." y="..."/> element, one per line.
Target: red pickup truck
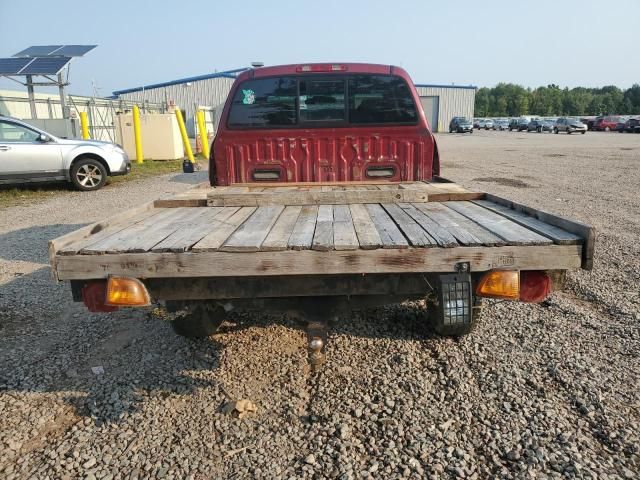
<point x="323" y="123"/>
<point x="325" y="195"/>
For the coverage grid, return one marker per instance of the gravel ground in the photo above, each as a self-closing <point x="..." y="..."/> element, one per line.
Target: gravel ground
<point x="544" y="391"/>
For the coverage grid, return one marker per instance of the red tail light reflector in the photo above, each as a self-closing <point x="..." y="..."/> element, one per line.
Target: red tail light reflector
<point x="322" y="67"/>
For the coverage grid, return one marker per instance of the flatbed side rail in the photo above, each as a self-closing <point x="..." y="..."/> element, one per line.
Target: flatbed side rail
<point x="585" y="231"/>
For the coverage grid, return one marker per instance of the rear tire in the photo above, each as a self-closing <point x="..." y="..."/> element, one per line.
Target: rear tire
<point x="199" y="320"/>
<point x="556" y="131"/>
<point x="583" y="132"/>
<point x="88" y="174"/>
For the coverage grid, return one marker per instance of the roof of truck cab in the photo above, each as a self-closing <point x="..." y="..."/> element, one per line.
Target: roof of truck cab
<point x="294" y="69"/>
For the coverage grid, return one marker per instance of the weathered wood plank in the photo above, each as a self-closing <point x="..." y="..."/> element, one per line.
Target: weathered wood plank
<point x="344" y="233"/>
<point x="442" y="237"/>
<point x="412" y="230"/>
<point x="558" y="235"/>
<point x="138" y="236"/>
<point x="587" y="233"/>
<point x="368" y="236"/>
<point x="315" y="196"/>
<point x="112" y="228"/>
<point x="323" y="235"/>
<point x="250" y="235"/>
<point x="311" y="262"/>
<point x="460" y="226"/>
<point x="190" y="198"/>
<point x="503" y="227"/>
<point x="222" y="229"/>
<point x="188" y="235"/>
<point x="303" y="230"/>
<point x="442" y="216"/>
<point x="278" y="237"/>
<point x="390" y="234"/>
<point x="316" y="184"/>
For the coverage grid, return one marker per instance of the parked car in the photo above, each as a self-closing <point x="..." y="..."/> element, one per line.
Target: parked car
<point x="518" y="124"/>
<point x="488" y="124"/>
<point x="501" y="125"/>
<point x="569" y="125"/>
<point x="591" y="123"/>
<point x="481" y="124"/>
<point x="28" y="154"/>
<point x="621" y="125"/>
<point x="540" y="126"/>
<point x="476" y="123"/>
<point x="460" y="125"/>
<point x="633" y="125"/>
<point x="607" y="123"/>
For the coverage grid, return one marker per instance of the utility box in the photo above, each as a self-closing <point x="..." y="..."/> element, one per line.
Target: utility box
<point x="160" y="135"/>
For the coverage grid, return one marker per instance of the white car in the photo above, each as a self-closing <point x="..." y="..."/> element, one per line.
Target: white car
<point x="28" y="154"/>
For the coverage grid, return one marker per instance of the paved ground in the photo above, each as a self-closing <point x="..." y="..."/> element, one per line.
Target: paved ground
<point x="545" y="391"/>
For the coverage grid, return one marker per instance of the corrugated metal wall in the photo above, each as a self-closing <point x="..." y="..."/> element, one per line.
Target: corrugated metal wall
<point x="211" y="92"/>
<point x="454" y="102"/>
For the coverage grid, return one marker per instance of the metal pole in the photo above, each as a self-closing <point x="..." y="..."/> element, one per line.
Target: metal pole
<point x="63" y="102"/>
<point x="202" y="130"/>
<point x="32" y="97"/>
<point x="136" y="134"/>
<point x="185" y="137"/>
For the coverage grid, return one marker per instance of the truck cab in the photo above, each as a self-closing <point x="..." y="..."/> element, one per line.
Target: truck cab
<point x="323" y="123"/>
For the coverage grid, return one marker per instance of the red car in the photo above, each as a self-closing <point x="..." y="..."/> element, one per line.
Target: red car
<point x="607" y="123"/>
<point x="323" y="123"/>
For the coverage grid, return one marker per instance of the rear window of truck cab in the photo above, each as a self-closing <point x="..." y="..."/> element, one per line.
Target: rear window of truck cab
<point x="322" y="101"/>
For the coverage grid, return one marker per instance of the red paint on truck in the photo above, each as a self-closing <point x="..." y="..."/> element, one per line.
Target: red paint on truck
<point x="323" y="123"/>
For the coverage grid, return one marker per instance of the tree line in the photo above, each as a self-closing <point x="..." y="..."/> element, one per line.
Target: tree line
<point x="510" y="100"/>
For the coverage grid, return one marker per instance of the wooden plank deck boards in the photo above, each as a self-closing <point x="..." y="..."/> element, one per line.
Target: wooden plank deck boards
<point x="250" y="235"/>
<point x="390" y="235"/>
<point x="303" y="230"/>
<point x="127" y="238"/>
<point x="344" y="233"/>
<point x="323" y="235"/>
<point x="586" y="232"/>
<point x="111" y="229"/>
<point x="366" y="232"/>
<point x="484" y="236"/>
<point x="412" y="230"/>
<point x="442" y="237"/>
<point x="222" y="229"/>
<point x="443" y="216"/>
<point x="556" y="234"/>
<point x="278" y="237"/>
<point x="184" y="238"/>
<point x="512" y="232"/>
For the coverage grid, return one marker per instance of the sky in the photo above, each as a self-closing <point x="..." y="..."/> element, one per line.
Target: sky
<point x="588" y="43"/>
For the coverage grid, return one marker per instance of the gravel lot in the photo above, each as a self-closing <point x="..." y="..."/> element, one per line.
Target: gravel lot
<point x="544" y="391"/>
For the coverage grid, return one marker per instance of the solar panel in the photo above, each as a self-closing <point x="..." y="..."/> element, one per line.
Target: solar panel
<point x="74" y="50"/>
<point x="55" y="51"/>
<point x="11" y="66"/>
<point x="45" y="66"/>
<point x="38" y="51"/>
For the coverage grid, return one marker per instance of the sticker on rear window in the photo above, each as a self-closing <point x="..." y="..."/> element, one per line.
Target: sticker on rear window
<point x="249" y="97"/>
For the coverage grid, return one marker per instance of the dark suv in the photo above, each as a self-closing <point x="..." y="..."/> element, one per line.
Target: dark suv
<point x="518" y="124"/>
<point x="460" y="125"/>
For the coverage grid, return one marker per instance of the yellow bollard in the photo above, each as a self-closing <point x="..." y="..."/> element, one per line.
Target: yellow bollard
<point x="185" y="138"/>
<point x="136" y="134"/>
<point x="202" y="129"/>
<point x="84" y="125"/>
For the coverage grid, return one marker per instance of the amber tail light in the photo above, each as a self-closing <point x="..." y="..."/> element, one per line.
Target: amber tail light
<point x="526" y="286"/>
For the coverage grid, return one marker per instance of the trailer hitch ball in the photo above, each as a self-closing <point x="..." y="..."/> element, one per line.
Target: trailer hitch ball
<point x="316" y="357"/>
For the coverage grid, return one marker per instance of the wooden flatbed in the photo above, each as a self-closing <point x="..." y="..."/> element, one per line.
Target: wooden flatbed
<point x="318" y="229"/>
